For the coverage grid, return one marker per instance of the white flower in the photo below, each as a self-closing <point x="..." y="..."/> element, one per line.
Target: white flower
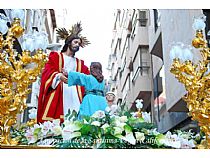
<point x="70" y="131"/>
<point x="30" y="136"/>
<point x="37" y="126"/>
<point x="56" y="122"/>
<point x="116" y="117"/>
<point x="96" y="123"/>
<point x="160" y="139"/>
<point x="114" y="107"/>
<point x="99" y="114"/>
<point x="197" y="136"/>
<point x="134" y="114"/>
<point x="139" y="104"/>
<point x="105" y="126"/>
<point x="146" y="117"/>
<point x="139" y="136"/>
<point x="57" y="130"/>
<point x="119" y="124"/>
<point x="128" y="137"/>
<point x="112" y="110"/>
<point x="187" y="144"/>
<point x="108" y="109"/>
<point x="85" y="122"/>
<point x="47" y="127"/>
<point x="154" y="132"/>
<point x="172" y="140"/>
<point x="32" y="113"/>
<point x="118" y="130"/>
<point x="185" y="135"/>
<point x="67" y="122"/>
<point x="123" y="119"/>
<point x="173" y="143"/>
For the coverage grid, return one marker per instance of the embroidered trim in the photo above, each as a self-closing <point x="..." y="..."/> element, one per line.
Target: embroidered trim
<point x="79" y="87"/>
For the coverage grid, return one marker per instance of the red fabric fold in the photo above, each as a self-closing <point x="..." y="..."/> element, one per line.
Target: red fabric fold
<point x="50" y="101"/>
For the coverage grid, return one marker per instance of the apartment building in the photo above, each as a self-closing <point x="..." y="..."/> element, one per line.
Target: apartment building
<point x="139" y="63"/>
<point x="130" y="61"/>
<point x="124" y="64"/>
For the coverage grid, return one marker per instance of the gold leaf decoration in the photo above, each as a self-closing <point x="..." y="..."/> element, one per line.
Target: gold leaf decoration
<point x="75" y="30"/>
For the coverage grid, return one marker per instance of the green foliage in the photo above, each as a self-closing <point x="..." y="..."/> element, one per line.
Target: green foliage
<point x="71" y="115"/>
<point x="105" y="131"/>
<point x="19" y="134"/>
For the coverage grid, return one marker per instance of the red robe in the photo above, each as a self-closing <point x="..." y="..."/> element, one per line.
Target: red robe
<point x="50" y="102"/>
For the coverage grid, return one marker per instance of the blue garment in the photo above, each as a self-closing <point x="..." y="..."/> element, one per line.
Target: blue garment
<point x="91" y="102"/>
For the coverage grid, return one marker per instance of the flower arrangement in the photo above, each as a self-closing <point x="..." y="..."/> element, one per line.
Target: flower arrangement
<point x="113" y="128"/>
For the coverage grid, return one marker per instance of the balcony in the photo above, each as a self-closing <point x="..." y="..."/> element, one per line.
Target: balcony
<point x="140" y="88"/>
<point x="157" y="49"/>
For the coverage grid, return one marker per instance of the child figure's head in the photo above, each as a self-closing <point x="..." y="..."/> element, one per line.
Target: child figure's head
<point x="110" y="97"/>
<point x="96" y="71"/>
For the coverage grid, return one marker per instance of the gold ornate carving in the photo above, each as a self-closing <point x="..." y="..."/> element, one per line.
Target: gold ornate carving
<point x="15" y="78"/>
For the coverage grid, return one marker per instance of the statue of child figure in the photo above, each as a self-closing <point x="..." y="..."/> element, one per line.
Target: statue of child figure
<point x="94" y="84"/>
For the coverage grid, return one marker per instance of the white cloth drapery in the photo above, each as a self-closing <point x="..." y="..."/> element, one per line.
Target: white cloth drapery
<point x="70" y="95"/>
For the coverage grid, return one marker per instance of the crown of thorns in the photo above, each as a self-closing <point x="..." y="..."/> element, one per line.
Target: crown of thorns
<point x="75" y="31"/>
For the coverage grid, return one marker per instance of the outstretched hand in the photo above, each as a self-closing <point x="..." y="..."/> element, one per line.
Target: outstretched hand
<point x="64" y="76"/>
<point x="65" y="73"/>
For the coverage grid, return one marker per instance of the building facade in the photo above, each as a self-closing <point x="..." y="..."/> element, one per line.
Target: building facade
<point x="139" y="63"/>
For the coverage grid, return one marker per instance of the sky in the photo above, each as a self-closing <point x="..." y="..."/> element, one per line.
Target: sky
<point x="97" y="24"/>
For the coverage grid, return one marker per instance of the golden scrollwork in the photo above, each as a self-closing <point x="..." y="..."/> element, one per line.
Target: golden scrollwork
<point x="15" y="78"/>
<point x="197" y="83"/>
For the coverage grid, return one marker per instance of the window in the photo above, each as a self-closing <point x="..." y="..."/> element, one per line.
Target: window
<point x="142" y="18"/>
<point x="134" y="30"/>
<point x="118" y="47"/>
<point x="126" y="87"/>
<point x="144" y="62"/>
<point x="141" y="63"/>
<point x="139" y="20"/>
<point x="118" y="75"/>
<point x="123" y="93"/>
<point x="156" y="19"/>
<point x="122" y="17"/>
<point x="126" y="47"/>
<point x="123" y="64"/>
<point x="136" y="64"/>
<point x="117" y="21"/>
<point x="125" y="21"/>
